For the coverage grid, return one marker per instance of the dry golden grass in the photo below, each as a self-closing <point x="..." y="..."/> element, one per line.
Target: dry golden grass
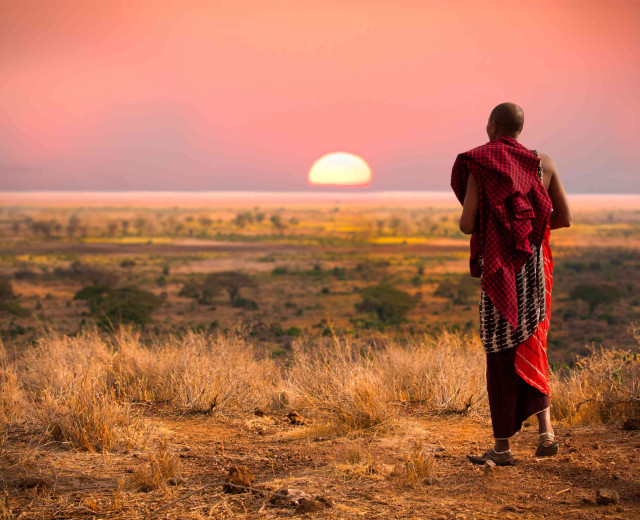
<point x="341" y="384"/>
<point x="94" y="393"/>
<point x="419" y="466"/>
<point x="603" y="386"/>
<point x="351" y="385"/>
<point x="11" y="397"/>
<point x="353" y="458"/>
<point x="162" y="467"/>
<point x="89" y="418"/>
<point x="82" y="391"/>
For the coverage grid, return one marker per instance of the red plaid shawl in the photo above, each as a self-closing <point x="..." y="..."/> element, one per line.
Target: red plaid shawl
<point x="514" y="210"/>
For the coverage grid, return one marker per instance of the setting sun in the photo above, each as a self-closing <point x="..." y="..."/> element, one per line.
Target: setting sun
<point x="340" y="169"/>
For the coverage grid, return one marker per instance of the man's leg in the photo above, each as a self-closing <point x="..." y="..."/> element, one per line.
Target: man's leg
<point x="547" y="447"/>
<point x="544" y="421"/>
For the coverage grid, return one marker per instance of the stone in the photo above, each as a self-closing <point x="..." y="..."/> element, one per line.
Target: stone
<point x="295" y="418"/>
<point x="239" y="478"/>
<point x="324" y="501"/>
<point x="259" y="412"/>
<point x="490" y="468"/>
<point x="289" y="497"/>
<point x="307" y="505"/>
<point x="606" y="496"/>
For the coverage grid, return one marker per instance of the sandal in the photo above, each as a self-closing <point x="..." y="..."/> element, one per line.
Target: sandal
<point x="502" y="458"/>
<point x="547" y="450"/>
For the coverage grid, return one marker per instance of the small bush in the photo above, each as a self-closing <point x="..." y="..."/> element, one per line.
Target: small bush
<point x="6" y="289"/>
<point x="160" y="471"/>
<point x="86" y="416"/>
<point x="595" y="294"/>
<point x="245" y="303"/>
<point x="293" y="331"/>
<point x="459" y="290"/>
<point x="112" y="307"/>
<point x="388" y="303"/>
<point x="14" y="308"/>
<point x="419" y="466"/>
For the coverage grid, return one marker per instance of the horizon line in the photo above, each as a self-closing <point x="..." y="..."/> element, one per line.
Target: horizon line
<point x="288" y="192"/>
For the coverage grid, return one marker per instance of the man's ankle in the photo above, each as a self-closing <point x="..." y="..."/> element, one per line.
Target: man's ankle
<point x="501" y="446"/>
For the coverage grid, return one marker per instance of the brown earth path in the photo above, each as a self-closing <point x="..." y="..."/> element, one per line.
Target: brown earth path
<point x="283" y="455"/>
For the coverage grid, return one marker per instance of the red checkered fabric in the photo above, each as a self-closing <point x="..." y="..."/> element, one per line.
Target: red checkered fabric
<point x="513" y="213"/>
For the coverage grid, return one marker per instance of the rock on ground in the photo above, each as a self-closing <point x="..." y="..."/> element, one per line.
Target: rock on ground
<point x="238" y="479"/>
<point x="606" y="496"/>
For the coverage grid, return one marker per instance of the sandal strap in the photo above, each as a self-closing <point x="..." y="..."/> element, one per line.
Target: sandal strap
<point x="547" y="436"/>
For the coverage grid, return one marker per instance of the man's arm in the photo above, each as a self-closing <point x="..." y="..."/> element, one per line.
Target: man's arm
<point x="561" y="215"/>
<point x="470" y="207"/>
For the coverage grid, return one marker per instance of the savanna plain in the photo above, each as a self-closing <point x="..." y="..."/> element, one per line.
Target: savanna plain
<point x="285" y="355"/>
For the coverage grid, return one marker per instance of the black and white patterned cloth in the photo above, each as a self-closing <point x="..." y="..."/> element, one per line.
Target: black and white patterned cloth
<point x="495" y="331"/>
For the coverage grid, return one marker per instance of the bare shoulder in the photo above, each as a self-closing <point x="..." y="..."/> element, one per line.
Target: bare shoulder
<point x="549" y="169"/>
<point x="547" y="163"/>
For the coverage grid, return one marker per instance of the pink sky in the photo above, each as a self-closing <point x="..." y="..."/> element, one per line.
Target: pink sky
<point x="210" y="95"/>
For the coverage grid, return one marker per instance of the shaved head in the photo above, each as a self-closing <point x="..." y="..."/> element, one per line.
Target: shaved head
<point x="509" y="118"/>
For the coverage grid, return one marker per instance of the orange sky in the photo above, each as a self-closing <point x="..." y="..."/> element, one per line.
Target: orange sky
<point x="211" y="95"/>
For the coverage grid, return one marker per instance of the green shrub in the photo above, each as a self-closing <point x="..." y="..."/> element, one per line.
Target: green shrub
<point x="293" y="331"/>
<point x="388" y="303"/>
<point x="245" y="303"/>
<point x="459" y="290"/>
<point x="6" y="289"/>
<point x="339" y="272"/>
<point x="112" y="307"/>
<point x="595" y="294"/>
<point x="14" y="309"/>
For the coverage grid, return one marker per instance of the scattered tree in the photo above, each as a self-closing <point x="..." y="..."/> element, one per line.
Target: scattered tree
<point x="73" y="225"/>
<point x="231" y="281"/>
<point x="276" y="220"/>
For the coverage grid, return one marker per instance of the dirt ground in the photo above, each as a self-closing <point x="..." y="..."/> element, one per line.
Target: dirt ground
<point x="52" y="482"/>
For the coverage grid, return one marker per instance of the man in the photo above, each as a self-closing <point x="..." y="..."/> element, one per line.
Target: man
<point x="511" y="198"/>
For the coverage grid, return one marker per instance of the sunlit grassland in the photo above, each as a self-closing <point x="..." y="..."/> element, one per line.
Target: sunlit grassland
<point x="311" y="263"/>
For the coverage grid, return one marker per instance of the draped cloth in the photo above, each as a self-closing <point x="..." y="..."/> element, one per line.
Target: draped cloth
<point x="518" y="377"/>
<point x="531" y="362"/>
<point x="510" y="251"/>
<point x="514" y="210"/>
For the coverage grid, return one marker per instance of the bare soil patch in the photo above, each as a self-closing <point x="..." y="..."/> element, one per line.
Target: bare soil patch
<point x="290" y="459"/>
